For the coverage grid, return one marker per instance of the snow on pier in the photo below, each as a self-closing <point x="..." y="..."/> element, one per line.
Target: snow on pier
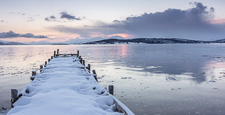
<point x="64" y="87"/>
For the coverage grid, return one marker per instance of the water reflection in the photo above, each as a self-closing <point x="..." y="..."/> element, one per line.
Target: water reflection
<point x="160" y="80"/>
<point x="167" y="60"/>
<point x="123" y="51"/>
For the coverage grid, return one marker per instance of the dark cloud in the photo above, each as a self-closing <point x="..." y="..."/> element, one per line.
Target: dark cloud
<point x="12" y="34"/>
<point x="46" y="19"/>
<point x="50" y="18"/>
<point x="116" y="21"/>
<point x="171" y="23"/>
<point x="192" y="23"/>
<point x="63" y="15"/>
<point x="68" y="16"/>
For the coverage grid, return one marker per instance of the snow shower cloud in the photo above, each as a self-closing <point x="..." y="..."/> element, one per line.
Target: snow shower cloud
<point x="12" y="34"/>
<point x="190" y="24"/>
<point x="68" y="16"/>
<point x="63" y="15"/>
<point x="50" y="18"/>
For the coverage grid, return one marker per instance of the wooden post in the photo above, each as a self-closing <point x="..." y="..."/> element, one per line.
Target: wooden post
<point x="77" y="53"/>
<point x="95" y="75"/>
<point x="111" y="88"/>
<point x="54" y="54"/>
<point x="89" y="67"/>
<point x="81" y="60"/>
<point x="51" y="57"/>
<point x="41" y="67"/>
<point x="45" y="63"/>
<point x="14" y="93"/>
<point x="49" y="60"/>
<point x="79" y="57"/>
<point x="84" y="62"/>
<point x="33" y="73"/>
<point x="57" y="51"/>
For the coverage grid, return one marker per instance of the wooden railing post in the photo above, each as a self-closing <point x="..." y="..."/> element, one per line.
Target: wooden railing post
<point x="78" y="53"/>
<point x="45" y="63"/>
<point x="54" y="54"/>
<point x="14" y="93"/>
<point x="81" y="60"/>
<point x="84" y="62"/>
<point x="51" y="57"/>
<point x="41" y="67"/>
<point x="111" y="88"/>
<point x="33" y="73"/>
<point x="95" y="75"/>
<point x="89" y="67"/>
<point x="49" y="60"/>
<point x="57" y="51"/>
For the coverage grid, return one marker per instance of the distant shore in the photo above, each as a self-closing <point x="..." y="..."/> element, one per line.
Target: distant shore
<point x="127" y="41"/>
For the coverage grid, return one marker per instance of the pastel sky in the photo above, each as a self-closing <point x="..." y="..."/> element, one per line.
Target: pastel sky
<point x="69" y="20"/>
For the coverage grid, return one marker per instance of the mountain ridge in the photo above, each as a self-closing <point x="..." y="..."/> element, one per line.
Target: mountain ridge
<point x="153" y="41"/>
<point x="12" y="43"/>
<point x="126" y="41"/>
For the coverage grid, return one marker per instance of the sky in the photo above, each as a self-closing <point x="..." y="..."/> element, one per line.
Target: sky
<point x="73" y="20"/>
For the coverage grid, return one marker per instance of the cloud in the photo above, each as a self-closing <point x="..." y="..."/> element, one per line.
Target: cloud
<point x="19" y="13"/>
<point x="63" y="15"/>
<point x="171" y="23"/>
<point x="192" y="23"/>
<point x="50" y="18"/>
<point x="12" y="34"/>
<point x="30" y="19"/>
<point x="68" y="16"/>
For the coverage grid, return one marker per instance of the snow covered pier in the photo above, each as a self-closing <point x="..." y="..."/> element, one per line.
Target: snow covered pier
<point x="66" y="86"/>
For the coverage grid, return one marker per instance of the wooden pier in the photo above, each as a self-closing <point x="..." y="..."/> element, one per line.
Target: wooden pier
<point x="66" y="86"/>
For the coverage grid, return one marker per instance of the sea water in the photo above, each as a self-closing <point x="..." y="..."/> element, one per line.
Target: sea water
<point x="165" y="79"/>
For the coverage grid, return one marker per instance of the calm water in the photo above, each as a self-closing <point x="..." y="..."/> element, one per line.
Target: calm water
<point x="171" y="79"/>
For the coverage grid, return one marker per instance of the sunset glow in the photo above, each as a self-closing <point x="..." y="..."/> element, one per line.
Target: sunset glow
<point x="217" y="21"/>
<point x="121" y="35"/>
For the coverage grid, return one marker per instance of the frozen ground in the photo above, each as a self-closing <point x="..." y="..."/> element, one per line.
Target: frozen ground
<point x="64" y="88"/>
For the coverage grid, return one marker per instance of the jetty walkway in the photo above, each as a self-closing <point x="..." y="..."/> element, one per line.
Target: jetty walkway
<point x="65" y="86"/>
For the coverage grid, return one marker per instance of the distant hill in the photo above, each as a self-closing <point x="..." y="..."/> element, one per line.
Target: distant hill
<point x="147" y="41"/>
<point x="1" y="43"/>
<point x="125" y="41"/>
<point x="219" y="41"/>
<point x="59" y="44"/>
<point x="12" y="43"/>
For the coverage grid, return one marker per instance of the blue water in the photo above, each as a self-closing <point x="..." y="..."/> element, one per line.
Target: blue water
<point x="165" y="79"/>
